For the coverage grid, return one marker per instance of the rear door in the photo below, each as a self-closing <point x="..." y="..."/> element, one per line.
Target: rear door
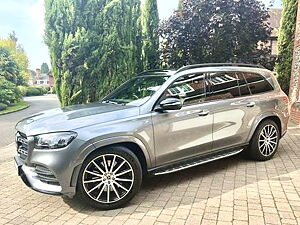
<point x="232" y="111"/>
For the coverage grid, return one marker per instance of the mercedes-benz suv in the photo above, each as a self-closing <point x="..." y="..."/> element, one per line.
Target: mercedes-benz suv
<point x="158" y="122"/>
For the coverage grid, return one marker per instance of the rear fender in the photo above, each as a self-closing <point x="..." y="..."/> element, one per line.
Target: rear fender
<point x="260" y="118"/>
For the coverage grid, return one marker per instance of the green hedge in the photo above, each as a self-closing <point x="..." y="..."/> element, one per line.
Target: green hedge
<point x="32" y="90"/>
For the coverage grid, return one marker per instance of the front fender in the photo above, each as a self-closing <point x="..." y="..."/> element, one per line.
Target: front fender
<point x="114" y="140"/>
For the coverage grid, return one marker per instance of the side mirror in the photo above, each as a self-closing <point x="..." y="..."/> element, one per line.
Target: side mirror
<point x="171" y="104"/>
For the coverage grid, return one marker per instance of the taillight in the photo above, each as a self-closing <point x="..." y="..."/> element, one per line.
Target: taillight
<point x="286" y="99"/>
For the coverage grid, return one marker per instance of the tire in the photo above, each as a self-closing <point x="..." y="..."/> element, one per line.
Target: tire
<point x="105" y="170"/>
<point x="264" y="142"/>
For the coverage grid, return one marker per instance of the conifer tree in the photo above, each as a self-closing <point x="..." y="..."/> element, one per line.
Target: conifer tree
<point x="150" y="22"/>
<point x="286" y="43"/>
<point x="95" y="45"/>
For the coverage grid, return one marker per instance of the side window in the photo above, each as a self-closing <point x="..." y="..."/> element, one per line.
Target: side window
<point x="190" y="89"/>
<point x="244" y="88"/>
<point x="257" y="83"/>
<point x="223" y="85"/>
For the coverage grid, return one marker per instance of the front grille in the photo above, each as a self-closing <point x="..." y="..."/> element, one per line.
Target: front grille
<point x="22" y="145"/>
<point x="45" y="175"/>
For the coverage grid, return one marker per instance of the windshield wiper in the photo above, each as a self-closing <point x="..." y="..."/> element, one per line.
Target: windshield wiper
<point x="113" y="102"/>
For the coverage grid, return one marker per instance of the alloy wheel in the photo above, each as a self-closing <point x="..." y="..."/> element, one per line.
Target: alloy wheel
<point x="268" y="140"/>
<point x="108" y="178"/>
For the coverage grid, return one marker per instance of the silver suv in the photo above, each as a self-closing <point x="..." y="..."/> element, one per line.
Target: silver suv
<point x="159" y="122"/>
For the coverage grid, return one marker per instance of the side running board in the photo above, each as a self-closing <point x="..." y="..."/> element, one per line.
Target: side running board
<point x="195" y="161"/>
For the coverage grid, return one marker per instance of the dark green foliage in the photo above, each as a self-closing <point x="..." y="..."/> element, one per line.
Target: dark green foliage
<point x="32" y="90"/>
<point x="9" y="93"/>
<point x="286" y="43"/>
<point x="16" y="54"/>
<point x="35" y="91"/>
<point x="214" y="31"/>
<point x="9" y="71"/>
<point x="3" y="106"/>
<point x="13" y="70"/>
<point x="150" y="21"/>
<point x="44" y="68"/>
<point x="8" y="67"/>
<point x="95" y="45"/>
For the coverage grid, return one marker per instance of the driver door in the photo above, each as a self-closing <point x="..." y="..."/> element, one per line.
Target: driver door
<point x="187" y="132"/>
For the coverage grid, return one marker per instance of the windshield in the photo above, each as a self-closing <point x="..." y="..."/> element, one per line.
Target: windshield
<point x="136" y="91"/>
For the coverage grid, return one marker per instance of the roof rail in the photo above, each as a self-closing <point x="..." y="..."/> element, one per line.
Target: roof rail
<point x="218" y="64"/>
<point x="155" y="71"/>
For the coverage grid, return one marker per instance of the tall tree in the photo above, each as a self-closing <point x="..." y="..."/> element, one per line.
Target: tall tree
<point x="8" y="66"/>
<point x="214" y="31"/>
<point x="94" y="46"/>
<point x="286" y="43"/>
<point x="19" y="56"/>
<point x="44" y="68"/>
<point x="150" y="21"/>
<point x="59" y="21"/>
<point x="13" y="36"/>
<point x="9" y="73"/>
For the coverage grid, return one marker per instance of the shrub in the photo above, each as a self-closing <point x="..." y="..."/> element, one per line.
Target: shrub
<point x="9" y="93"/>
<point x="32" y="91"/>
<point x="35" y="91"/>
<point x="23" y="90"/>
<point x="2" y="106"/>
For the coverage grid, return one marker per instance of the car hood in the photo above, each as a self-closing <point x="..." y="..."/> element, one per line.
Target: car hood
<point x="74" y="117"/>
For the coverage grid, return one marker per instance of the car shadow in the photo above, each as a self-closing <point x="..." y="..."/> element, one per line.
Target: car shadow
<point x="213" y="182"/>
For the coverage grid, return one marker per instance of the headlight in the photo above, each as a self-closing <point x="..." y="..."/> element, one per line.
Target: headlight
<point x="54" y="140"/>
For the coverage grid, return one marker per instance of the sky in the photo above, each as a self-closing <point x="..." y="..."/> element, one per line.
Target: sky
<point x="26" y="18"/>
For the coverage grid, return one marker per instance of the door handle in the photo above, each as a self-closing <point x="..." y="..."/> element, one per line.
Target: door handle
<point x="203" y="113"/>
<point x="250" y="104"/>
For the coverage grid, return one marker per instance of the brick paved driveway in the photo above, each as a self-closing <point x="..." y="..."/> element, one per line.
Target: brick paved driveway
<point x="229" y="191"/>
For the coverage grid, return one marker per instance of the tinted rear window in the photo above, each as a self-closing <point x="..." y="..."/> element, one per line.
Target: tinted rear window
<point x="257" y="83"/>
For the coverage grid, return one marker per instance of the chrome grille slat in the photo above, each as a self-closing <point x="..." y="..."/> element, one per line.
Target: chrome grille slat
<point x="22" y="144"/>
<point x="45" y="175"/>
<point x="47" y="178"/>
<point x="42" y="170"/>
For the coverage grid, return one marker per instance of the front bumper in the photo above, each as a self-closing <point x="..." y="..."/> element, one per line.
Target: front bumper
<point x="30" y="178"/>
<point x="49" y="171"/>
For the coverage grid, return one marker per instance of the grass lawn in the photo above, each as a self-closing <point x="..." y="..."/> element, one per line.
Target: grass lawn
<point x="15" y="107"/>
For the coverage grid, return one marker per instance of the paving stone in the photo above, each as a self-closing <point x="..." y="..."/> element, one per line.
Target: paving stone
<point x="229" y="191"/>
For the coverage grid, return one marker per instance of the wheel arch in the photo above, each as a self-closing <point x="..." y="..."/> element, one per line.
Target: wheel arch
<point x="133" y="147"/>
<point x="130" y="142"/>
<point x="272" y="116"/>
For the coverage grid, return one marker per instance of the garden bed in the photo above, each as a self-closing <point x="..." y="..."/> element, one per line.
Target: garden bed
<point x="15" y="107"/>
